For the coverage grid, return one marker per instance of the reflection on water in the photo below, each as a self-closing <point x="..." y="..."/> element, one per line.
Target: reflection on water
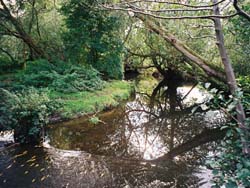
<point x="153" y="140"/>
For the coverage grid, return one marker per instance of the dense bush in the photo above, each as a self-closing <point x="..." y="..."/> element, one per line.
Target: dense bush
<point x="244" y="82"/>
<point x="24" y="103"/>
<point x="95" y="39"/>
<point x="239" y="26"/>
<point x="231" y="168"/>
<point x="26" y="112"/>
<point x="242" y="67"/>
<point x="61" y="76"/>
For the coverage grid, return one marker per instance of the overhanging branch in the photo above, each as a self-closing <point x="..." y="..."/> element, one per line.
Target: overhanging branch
<point x="240" y="11"/>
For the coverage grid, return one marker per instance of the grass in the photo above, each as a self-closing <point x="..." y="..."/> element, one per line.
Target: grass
<point x="85" y="102"/>
<point x="82" y="103"/>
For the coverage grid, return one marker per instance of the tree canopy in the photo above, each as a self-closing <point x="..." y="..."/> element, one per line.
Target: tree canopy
<point x="65" y="48"/>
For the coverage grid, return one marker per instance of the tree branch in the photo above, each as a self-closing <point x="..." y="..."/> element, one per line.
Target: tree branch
<point x="8" y="54"/>
<point x="168" y="17"/>
<point x="170" y="3"/>
<point x="240" y="11"/>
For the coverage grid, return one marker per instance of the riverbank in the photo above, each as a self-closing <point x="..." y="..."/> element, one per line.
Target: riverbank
<point x="45" y="93"/>
<point x="83" y="103"/>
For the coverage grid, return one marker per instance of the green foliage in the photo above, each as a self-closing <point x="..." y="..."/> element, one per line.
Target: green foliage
<point x="77" y="79"/>
<point x="241" y="49"/>
<point x="93" y="37"/>
<point x="26" y="112"/>
<point x="41" y="21"/>
<point x="244" y="82"/>
<point x="231" y="167"/>
<point x="8" y="66"/>
<point x="94" y="120"/>
<point x="61" y="76"/>
<point x="147" y="49"/>
<point x="75" y="86"/>
<point x="78" y="88"/>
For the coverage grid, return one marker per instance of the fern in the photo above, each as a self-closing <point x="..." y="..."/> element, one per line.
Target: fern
<point x="60" y="76"/>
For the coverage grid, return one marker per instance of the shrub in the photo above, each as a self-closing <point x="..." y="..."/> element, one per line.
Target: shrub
<point x="230" y="166"/>
<point x="242" y="67"/>
<point x="40" y="65"/>
<point x="244" y="82"/>
<point x="38" y="80"/>
<point x="61" y="76"/>
<point x="111" y="67"/>
<point x="26" y="112"/>
<point x="78" y="78"/>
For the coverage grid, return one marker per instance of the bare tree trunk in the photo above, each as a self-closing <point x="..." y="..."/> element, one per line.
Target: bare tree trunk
<point x="230" y="76"/>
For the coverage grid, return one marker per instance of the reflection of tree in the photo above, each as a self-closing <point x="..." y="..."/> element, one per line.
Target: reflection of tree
<point x="202" y="138"/>
<point x="158" y="130"/>
<point x="152" y="141"/>
<point x="184" y="134"/>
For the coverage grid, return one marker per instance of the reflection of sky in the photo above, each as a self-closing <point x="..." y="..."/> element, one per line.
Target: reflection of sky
<point x="143" y="135"/>
<point x="149" y="144"/>
<point x="195" y="96"/>
<point x="7" y="136"/>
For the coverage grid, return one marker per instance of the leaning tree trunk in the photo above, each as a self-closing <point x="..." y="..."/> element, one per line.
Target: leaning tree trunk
<point x="27" y="39"/>
<point x="20" y="32"/>
<point x="181" y="47"/>
<point x="230" y="76"/>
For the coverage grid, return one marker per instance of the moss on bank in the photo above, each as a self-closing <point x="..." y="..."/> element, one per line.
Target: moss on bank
<point x="86" y="102"/>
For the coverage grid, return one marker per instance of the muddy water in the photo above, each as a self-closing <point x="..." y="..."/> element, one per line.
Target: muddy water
<point x="152" y="140"/>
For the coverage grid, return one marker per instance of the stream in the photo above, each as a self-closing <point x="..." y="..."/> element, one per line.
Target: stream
<point x="152" y="140"/>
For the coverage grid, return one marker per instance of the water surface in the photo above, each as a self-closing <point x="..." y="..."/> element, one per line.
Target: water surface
<point x="152" y="140"/>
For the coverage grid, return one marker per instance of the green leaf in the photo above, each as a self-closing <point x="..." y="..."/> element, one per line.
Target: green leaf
<point x="231" y="184"/>
<point x="215" y="172"/>
<point x="229" y="133"/>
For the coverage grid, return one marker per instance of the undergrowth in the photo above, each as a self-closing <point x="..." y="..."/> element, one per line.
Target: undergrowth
<point x="46" y="92"/>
